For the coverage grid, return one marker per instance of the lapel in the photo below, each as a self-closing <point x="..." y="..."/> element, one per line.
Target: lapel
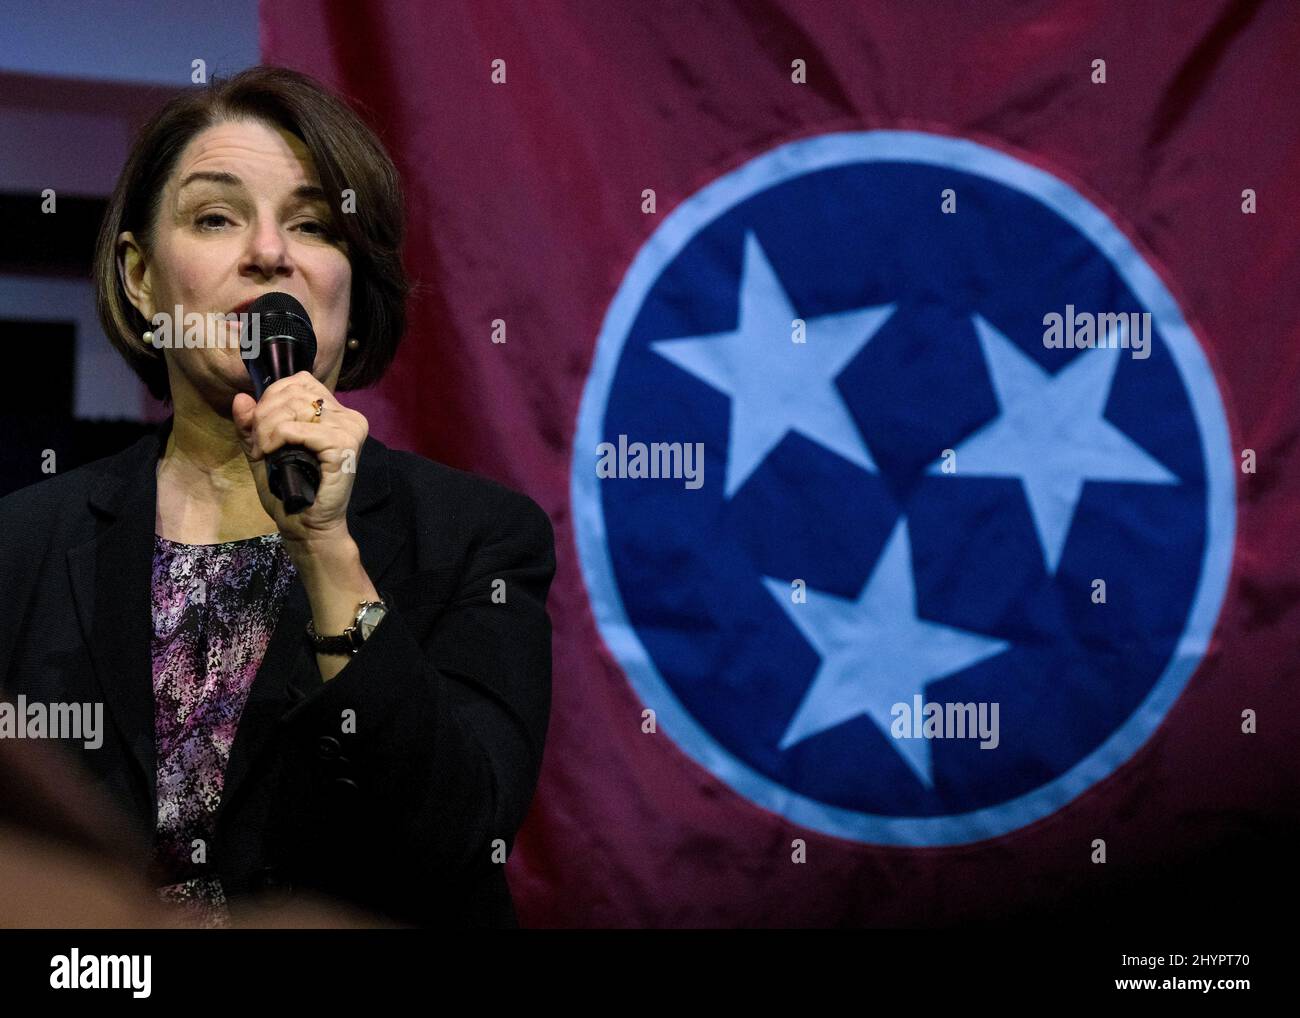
<point x="111" y="575"/>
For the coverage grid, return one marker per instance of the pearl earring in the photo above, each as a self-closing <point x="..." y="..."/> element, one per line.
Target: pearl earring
<point x="353" y="343"/>
<point x="148" y="338"/>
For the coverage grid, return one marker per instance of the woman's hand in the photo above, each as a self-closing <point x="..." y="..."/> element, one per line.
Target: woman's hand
<point x="283" y="417"/>
<point x="323" y="552"/>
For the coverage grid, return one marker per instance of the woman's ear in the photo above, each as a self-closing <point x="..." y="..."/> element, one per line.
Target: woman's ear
<point x="133" y="270"/>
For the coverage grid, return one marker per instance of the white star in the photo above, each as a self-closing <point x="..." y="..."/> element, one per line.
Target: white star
<point x="1051" y="433"/>
<point x="776" y="385"/>
<point x="875" y="652"/>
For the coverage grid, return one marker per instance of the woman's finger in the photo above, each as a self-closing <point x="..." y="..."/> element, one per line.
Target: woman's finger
<point x="296" y="404"/>
<point x="318" y="438"/>
<point x="296" y="386"/>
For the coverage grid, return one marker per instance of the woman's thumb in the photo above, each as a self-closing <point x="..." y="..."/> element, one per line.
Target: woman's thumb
<point x="241" y="411"/>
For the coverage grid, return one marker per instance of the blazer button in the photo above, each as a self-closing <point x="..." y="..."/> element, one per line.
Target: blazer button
<point x="328" y="747"/>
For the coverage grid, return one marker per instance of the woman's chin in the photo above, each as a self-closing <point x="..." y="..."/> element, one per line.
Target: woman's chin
<point x="235" y="370"/>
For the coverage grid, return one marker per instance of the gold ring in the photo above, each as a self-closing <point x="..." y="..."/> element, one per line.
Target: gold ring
<point x="317" y="406"/>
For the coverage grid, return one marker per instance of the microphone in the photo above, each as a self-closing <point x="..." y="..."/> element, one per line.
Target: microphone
<point x="287" y="346"/>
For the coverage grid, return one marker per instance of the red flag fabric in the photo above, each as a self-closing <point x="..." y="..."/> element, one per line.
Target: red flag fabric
<point x="614" y="208"/>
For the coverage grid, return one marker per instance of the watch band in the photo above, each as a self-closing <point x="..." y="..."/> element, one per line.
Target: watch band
<point x="350" y="640"/>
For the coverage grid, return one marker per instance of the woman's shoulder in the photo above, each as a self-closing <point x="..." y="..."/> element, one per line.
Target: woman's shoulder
<point x="474" y="498"/>
<point x="66" y="491"/>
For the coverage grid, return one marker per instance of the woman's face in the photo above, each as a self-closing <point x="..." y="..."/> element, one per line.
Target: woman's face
<point x="241" y="215"/>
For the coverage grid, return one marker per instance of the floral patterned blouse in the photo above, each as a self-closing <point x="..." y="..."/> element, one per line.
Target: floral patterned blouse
<point x="215" y="607"/>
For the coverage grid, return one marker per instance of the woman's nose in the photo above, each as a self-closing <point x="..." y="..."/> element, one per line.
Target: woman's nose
<point x="268" y="250"/>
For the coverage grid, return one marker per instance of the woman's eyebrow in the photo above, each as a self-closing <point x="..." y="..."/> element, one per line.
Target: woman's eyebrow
<point x="307" y="192"/>
<point x="211" y="176"/>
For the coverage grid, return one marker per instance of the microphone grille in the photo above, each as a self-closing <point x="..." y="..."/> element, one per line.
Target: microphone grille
<point x="282" y="314"/>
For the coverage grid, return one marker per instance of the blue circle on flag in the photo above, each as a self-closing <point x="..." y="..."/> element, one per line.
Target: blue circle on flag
<point x="902" y="489"/>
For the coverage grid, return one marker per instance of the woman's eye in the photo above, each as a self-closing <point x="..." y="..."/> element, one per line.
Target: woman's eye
<point x="213" y="221"/>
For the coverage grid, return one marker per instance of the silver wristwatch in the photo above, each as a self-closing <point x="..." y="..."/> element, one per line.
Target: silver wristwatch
<point x="369" y="615"/>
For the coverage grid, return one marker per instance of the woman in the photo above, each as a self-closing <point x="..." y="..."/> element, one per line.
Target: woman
<point x="348" y="701"/>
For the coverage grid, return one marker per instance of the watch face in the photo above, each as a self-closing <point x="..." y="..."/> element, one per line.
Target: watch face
<point x="370" y="618"/>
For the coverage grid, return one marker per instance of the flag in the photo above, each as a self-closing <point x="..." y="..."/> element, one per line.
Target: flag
<point x="912" y="390"/>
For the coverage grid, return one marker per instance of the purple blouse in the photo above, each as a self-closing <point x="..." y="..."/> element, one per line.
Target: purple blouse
<point x="214" y="609"/>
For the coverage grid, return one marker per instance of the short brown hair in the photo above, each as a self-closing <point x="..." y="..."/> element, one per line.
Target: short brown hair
<point x="347" y="154"/>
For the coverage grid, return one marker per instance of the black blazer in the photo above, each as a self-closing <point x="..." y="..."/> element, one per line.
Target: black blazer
<point x="410" y="815"/>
